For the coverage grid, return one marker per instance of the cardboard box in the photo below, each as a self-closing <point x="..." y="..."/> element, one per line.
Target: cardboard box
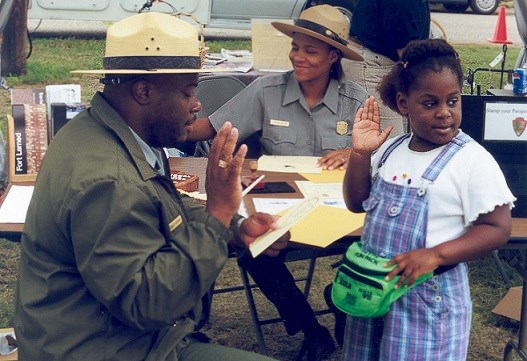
<point x="510" y="305"/>
<point x="12" y="356"/>
<point x="28" y="96"/>
<point x="270" y="47"/>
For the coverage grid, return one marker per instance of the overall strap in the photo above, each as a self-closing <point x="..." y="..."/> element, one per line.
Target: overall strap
<point x="391" y="147"/>
<point x="441" y="160"/>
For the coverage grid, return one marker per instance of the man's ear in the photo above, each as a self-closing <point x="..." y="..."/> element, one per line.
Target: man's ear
<point x="402" y="103"/>
<point x="142" y="91"/>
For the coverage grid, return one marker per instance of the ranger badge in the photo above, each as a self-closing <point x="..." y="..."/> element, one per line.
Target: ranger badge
<point x="342" y="127"/>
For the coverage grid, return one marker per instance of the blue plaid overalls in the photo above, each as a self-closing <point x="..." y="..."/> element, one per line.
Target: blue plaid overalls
<point x="431" y="321"/>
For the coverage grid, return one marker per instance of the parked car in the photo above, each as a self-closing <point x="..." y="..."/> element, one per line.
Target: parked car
<point x="230" y="14"/>
<point x="484" y="7"/>
<point x="233" y="14"/>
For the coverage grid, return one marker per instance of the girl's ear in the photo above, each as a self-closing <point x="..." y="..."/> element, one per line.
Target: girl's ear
<point x="402" y="103"/>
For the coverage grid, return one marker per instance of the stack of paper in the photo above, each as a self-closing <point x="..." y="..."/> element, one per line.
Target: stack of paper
<point x="16" y="203"/>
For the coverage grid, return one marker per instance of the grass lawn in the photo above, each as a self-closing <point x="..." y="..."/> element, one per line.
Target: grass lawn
<point x="50" y="63"/>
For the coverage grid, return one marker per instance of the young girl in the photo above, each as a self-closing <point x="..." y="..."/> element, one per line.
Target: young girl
<point x="433" y="197"/>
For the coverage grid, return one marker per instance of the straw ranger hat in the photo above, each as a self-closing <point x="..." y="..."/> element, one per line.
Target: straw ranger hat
<point x="325" y="23"/>
<point x="151" y="43"/>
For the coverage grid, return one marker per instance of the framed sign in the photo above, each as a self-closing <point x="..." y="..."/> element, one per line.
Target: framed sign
<point x="505" y="122"/>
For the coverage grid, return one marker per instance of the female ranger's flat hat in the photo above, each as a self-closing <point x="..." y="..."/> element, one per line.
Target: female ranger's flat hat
<point x="325" y="23"/>
<point x="151" y="43"/>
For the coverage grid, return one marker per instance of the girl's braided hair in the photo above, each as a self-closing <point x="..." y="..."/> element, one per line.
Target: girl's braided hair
<point x="418" y="58"/>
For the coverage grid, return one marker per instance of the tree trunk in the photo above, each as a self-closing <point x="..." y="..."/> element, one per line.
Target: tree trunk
<point x="14" y="40"/>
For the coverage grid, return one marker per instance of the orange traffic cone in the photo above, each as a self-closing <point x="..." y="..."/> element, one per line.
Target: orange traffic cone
<point x="500" y="33"/>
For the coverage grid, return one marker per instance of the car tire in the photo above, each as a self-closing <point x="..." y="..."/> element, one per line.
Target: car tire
<point x="455" y="8"/>
<point x="484" y="7"/>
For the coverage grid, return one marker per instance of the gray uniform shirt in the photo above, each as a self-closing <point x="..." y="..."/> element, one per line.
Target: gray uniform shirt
<point x="274" y="107"/>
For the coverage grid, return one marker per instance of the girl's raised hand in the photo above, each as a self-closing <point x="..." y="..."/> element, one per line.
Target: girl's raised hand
<point x="367" y="135"/>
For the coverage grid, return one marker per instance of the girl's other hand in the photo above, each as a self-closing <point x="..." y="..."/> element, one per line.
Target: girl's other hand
<point x="411" y="265"/>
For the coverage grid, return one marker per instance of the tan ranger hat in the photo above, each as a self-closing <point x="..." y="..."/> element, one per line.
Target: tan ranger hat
<point x="326" y="23"/>
<point x="151" y="43"/>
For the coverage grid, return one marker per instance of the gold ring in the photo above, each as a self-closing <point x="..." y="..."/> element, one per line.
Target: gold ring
<point x="223" y="164"/>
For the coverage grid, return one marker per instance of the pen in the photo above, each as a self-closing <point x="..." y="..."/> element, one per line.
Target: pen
<point x="252" y="185"/>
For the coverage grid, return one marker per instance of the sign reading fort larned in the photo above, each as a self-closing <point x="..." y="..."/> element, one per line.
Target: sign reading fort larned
<point x="28" y="141"/>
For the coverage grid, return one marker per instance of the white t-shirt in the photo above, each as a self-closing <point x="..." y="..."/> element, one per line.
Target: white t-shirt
<point x="471" y="184"/>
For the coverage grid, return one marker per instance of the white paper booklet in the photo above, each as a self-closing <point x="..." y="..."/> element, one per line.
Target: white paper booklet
<point x="288" y="164"/>
<point x="291" y="217"/>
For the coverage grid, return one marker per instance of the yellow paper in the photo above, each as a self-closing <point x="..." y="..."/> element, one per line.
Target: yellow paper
<point x="326" y="176"/>
<point x="325" y="225"/>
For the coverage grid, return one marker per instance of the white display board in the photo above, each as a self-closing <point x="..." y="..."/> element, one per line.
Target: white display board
<point x="505" y="122"/>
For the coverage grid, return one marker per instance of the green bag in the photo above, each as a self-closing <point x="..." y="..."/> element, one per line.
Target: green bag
<point x="359" y="288"/>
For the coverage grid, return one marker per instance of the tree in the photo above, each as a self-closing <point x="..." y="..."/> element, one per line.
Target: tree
<point x="13" y="15"/>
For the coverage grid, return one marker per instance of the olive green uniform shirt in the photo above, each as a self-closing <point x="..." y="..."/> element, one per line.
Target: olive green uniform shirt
<point x="114" y="261"/>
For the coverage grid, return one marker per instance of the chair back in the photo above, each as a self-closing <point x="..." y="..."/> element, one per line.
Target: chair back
<point x="214" y="91"/>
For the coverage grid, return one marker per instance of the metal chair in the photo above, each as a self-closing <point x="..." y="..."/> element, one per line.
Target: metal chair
<point x="248" y="286"/>
<point x="214" y="91"/>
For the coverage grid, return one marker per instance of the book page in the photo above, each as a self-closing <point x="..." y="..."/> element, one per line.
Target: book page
<point x="274" y="205"/>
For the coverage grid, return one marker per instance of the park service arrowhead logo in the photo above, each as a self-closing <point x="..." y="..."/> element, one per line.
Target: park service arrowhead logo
<point x="519" y="124"/>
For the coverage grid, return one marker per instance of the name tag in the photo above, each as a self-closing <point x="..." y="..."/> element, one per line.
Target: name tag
<point x="279" y="123"/>
<point x="175" y="223"/>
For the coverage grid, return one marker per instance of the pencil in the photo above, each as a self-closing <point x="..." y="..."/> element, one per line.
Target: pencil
<point x="252" y="185"/>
